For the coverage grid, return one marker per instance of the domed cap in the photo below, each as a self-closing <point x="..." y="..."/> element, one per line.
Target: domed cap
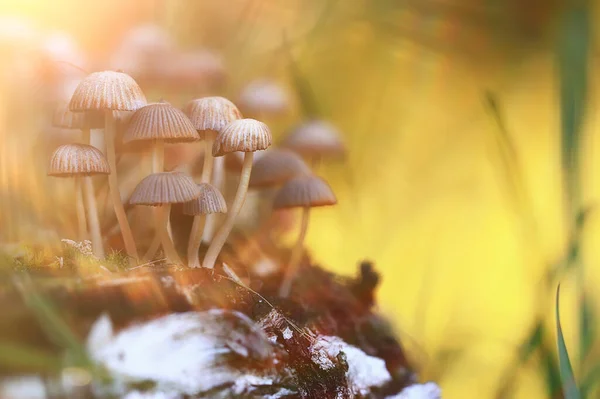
<point x="263" y="95"/>
<point x="212" y="113"/>
<point x="276" y="167"/>
<point x="210" y="201"/>
<point x="246" y="135"/>
<point x="164" y="188"/>
<point x="316" y="137"/>
<point x="304" y="191"/>
<point x="160" y="121"/>
<point x="107" y="90"/>
<point x="77" y="160"/>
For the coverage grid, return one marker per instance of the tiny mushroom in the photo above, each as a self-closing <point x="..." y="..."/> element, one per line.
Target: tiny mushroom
<point x="82" y="161"/>
<point x="210" y="115"/>
<point x="276" y="167"/>
<point x="301" y="192"/>
<point x="210" y="201"/>
<point x="108" y="92"/>
<point x="316" y="139"/>
<point x="161" y="190"/>
<point x="248" y="136"/>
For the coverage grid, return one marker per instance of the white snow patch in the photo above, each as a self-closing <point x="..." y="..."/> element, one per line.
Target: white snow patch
<point x="364" y="371"/>
<point x="419" y="391"/>
<point x="181" y="353"/>
<point x="287" y="333"/>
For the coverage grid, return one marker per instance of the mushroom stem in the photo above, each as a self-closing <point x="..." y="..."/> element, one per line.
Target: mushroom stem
<point x="158" y="156"/>
<point x="240" y="196"/>
<point x="286" y="285"/>
<point x="113" y="185"/>
<point x="81" y="222"/>
<point x="195" y="240"/>
<point x="217" y="181"/>
<point x="92" y="215"/>
<point x="158" y="165"/>
<point x="207" y="167"/>
<point x="162" y="217"/>
<point x="85" y="135"/>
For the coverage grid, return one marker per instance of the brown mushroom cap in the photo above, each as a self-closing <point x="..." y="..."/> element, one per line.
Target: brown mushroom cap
<point x="316" y="137"/>
<point x="77" y="160"/>
<point x="160" y="121"/>
<point x="210" y="201"/>
<point x="276" y="167"/>
<point x="246" y="135"/>
<point x="164" y="188"/>
<point x="107" y="90"/>
<point x="212" y="113"/>
<point x="304" y="191"/>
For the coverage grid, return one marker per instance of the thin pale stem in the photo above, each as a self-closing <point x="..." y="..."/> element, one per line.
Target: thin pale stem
<point x="158" y="165"/>
<point x="85" y="135"/>
<point x="158" y="156"/>
<point x="215" y="176"/>
<point x="81" y="222"/>
<point x="195" y="240"/>
<point x="162" y="216"/>
<point x="113" y="184"/>
<point x="292" y="269"/>
<point x="240" y="196"/>
<point x="92" y="216"/>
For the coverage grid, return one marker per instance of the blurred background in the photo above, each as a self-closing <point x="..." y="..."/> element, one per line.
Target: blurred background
<point x="452" y="183"/>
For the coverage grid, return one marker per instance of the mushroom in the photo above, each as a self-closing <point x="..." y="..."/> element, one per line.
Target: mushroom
<point x="159" y="123"/>
<point x="305" y="192"/>
<point x="82" y="161"/>
<point x="248" y="136"/>
<point x="209" y="202"/>
<point x="161" y="190"/>
<point x="210" y="115"/>
<point x="314" y="140"/>
<point x="110" y="91"/>
<point x="273" y="169"/>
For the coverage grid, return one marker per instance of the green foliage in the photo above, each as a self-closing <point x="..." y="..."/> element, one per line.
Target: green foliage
<point x="14" y="356"/>
<point x="570" y="389"/>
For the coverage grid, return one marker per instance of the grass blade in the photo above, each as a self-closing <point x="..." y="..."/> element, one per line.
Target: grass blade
<point x="570" y="389"/>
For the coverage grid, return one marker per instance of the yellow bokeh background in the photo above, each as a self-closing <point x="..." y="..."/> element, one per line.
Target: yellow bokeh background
<point x="423" y="192"/>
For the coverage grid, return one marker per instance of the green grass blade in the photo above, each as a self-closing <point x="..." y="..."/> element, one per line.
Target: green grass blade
<point x="570" y="389"/>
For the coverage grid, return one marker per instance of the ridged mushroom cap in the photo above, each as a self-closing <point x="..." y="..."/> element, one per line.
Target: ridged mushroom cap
<point x="212" y="113"/>
<point x="276" y="167"/>
<point x="160" y="121"/>
<point x="304" y="191"/>
<point x="77" y="160"/>
<point x="263" y="95"/>
<point x="164" y="188"/>
<point x="316" y="137"/>
<point x="210" y="201"/>
<point x="107" y="90"/>
<point x="246" y="135"/>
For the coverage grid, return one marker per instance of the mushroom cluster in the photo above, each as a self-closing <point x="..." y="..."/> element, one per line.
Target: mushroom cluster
<point x="114" y="102"/>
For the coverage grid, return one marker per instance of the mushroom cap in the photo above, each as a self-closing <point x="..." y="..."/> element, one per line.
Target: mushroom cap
<point x="164" y="188"/>
<point x="107" y="90"/>
<point x="160" y="121"/>
<point x="246" y="135"/>
<point x="212" y="113"/>
<point x="77" y="160"/>
<point x="304" y="191"/>
<point x="316" y="137"/>
<point x="210" y="201"/>
<point x="276" y="167"/>
<point x="264" y="95"/>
